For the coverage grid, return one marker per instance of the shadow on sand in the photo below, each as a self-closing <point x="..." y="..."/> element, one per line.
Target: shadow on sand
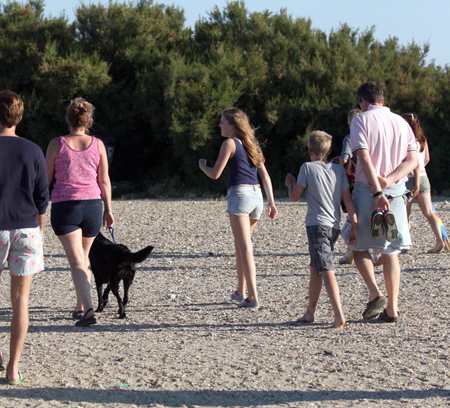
<point x="213" y="398"/>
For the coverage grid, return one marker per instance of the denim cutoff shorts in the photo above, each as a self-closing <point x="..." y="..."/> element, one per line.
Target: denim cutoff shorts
<point x="364" y="207"/>
<point x="68" y="216"/>
<point x="245" y="201"/>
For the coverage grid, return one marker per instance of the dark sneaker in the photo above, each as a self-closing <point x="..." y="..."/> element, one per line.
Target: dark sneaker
<point x="374" y="307"/>
<point x="390" y="226"/>
<point x="377" y="224"/>
<point x="384" y="318"/>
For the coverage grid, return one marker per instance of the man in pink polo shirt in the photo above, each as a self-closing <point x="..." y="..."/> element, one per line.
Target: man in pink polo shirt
<point x="386" y="149"/>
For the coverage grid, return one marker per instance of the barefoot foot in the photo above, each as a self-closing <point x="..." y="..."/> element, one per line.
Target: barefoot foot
<point x="436" y="249"/>
<point x="308" y="317"/>
<point x="338" y="323"/>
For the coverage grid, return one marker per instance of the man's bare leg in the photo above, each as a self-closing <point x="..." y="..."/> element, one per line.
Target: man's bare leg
<point x="363" y="262"/>
<point x="391" y="270"/>
<point x="20" y="294"/>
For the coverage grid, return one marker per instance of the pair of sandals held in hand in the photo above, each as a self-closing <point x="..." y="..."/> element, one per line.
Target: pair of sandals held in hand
<point x="384" y="221"/>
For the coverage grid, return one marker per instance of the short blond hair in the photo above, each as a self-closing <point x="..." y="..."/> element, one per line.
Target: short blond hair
<point x="352" y="114"/>
<point x="319" y="143"/>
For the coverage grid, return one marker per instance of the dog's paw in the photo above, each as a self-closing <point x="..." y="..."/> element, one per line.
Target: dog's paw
<point x="122" y="316"/>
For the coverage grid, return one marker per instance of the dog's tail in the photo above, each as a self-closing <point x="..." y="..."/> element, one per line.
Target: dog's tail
<point x="141" y="255"/>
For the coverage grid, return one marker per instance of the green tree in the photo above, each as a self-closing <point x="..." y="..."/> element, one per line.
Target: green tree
<point x="137" y="40"/>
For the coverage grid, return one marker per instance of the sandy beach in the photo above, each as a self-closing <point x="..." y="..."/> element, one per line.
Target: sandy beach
<point x="185" y="344"/>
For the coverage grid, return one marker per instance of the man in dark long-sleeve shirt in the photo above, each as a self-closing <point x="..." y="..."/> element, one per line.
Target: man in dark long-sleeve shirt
<point x="23" y="202"/>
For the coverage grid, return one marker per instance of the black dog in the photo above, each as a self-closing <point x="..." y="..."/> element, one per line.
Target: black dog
<point x="111" y="263"/>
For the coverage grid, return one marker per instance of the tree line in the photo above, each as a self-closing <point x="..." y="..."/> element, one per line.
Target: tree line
<point x="159" y="88"/>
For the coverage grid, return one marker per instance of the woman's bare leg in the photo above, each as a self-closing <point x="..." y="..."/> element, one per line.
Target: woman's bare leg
<point x="242" y="228"/>
<point x="76" y="248"/>
<point x="424" y="201"/>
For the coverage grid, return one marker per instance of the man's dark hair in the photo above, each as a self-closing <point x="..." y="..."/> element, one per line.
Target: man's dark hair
<point x="371" y="91"/>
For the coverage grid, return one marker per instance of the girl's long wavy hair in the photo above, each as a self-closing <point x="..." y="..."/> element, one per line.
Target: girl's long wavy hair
<point x="245" y="133"/>
<point x="413" y="121"/>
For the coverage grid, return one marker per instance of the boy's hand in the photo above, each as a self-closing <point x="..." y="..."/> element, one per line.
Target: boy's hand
<point x="290" y="179"/>
<point x="353" y="236"/>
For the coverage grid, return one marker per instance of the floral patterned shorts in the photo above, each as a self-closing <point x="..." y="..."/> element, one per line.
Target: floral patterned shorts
<point x="22" y="248"/>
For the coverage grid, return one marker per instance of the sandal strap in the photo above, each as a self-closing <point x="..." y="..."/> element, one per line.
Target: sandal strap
<point x="87" y="311"/>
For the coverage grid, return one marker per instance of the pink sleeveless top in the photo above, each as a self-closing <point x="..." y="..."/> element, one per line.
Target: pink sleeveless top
<point x="76" y="173"/>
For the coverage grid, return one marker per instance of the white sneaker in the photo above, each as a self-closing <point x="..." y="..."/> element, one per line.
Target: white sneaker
<point x="346" y="259"/>
<point x="245" y="303"/>
<point x="235" y="296"/>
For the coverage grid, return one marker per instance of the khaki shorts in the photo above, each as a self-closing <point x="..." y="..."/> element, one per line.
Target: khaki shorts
<point x="424" y="186"/>
<point x="22" y="249"/>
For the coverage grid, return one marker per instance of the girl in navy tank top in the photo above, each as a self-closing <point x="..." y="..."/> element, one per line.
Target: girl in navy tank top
<point x="242" y="156"/>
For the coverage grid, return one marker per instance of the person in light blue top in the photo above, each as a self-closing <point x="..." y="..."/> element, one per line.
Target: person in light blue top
<point x="346" y="153"/>
<point x="325" y="185"/>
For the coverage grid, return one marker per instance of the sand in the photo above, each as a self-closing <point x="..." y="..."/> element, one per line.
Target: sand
<point x="185" y="344"/>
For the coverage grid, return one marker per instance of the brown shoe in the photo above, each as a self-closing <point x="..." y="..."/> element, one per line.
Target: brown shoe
<point x="374" y="307"/>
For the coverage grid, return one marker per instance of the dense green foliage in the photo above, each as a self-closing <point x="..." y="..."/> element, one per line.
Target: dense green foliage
<point x="159" y="88"/>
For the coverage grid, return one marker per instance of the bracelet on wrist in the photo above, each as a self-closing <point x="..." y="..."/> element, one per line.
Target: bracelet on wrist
<point x="377" y="194"/>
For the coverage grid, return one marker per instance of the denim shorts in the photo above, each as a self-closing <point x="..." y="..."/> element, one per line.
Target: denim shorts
<point x="364" y="207"/>
<point x="321" y="242"/>
<point x="68" y="216"/>
<point x="22" y="248"/>
<point x="245" y="201"/>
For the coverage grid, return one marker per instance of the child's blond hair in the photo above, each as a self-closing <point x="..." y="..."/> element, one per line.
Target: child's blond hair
<point x="319" y="143"/>
<point x="352" y="114"/>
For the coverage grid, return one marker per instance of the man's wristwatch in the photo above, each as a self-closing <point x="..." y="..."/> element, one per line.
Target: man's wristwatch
<point x="377" y="194"/>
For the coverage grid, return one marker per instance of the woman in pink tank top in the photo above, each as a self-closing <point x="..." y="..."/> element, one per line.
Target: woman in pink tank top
<point x="79" y="164"/>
